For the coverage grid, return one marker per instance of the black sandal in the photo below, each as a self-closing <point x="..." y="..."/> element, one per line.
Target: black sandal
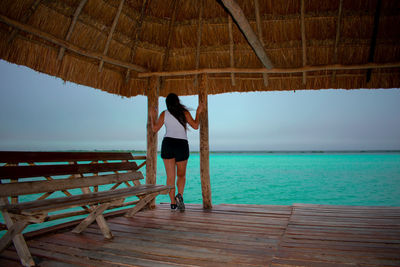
<point x="179" y="202"/>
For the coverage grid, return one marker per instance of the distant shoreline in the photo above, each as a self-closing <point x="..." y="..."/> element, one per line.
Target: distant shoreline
<point x="244" y="151"/>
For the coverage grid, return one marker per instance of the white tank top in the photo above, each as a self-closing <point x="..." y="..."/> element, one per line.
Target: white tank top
<point x="173" y="128"/>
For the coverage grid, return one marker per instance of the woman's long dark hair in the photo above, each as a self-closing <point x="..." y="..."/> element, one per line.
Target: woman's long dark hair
<point x="175" y="107"/>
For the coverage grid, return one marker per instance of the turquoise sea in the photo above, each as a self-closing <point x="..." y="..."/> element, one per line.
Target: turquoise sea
<point x="287" y="178"/>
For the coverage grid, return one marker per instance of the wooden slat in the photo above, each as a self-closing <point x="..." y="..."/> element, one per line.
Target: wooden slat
<point x="54" y="204"/>
<point x="52" y="170"/>
<point x="26" y="156"/>
<point x="24" y="188"/>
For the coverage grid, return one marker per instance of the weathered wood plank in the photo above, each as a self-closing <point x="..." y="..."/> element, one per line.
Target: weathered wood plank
<point x="24" y="188"/>
<point x="20" y="156"/>
<point x="54" y="204"/>
<point x="63" y="169"/>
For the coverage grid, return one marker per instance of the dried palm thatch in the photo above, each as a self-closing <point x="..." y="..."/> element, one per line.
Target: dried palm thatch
<point x="115" y="45"/>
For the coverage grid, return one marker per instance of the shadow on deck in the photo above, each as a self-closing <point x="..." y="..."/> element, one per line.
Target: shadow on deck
<point x="230" y="235"/>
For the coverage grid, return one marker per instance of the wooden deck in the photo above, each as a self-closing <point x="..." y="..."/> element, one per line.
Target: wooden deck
<point x="230" y="235"/>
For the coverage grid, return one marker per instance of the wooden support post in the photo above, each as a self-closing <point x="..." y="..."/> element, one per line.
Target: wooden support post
<point x="204" y="145"/>
<point x="151" y="161"/>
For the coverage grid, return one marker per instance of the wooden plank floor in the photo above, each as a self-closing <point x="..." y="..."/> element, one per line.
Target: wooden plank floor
<point x="230" y="235"/>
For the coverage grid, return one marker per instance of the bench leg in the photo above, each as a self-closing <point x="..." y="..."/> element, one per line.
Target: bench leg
<point x="142" y="202"/>
<point x="15" y="233"/>
<point x="12" y="232"/>
<point x="16" y="229"/>
<point x="104" y="227"/>
<point x="97" y="214"/>
<point x="98" y="211"/>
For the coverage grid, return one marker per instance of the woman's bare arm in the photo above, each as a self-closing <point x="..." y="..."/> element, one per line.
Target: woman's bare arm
<point x="156" y="124"/>
<point x="194" y="123"/>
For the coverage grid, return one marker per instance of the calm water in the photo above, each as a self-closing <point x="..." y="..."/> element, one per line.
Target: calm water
<point x="284" y="179"/>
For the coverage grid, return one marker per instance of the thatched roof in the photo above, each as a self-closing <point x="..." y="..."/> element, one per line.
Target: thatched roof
<point x="113" y="45"/>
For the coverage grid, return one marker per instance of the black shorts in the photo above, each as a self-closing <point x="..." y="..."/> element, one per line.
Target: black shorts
<point x="173" y="148"/>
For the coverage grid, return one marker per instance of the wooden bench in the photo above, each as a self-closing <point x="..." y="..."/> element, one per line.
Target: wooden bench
<point x="58" y="181"/>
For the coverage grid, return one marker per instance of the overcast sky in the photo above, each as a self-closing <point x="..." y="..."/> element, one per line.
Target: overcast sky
<point x="40" y="112"/>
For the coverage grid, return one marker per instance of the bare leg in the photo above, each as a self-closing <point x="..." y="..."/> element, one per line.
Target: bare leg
<point x="170" y="170"/>
<point x="181" y="173"/>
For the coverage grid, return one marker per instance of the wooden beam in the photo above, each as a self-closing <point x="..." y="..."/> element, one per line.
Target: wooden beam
<point x="151" y="161"/>
<point x="303" y="40"/>
<point x="170" y="28"/>
<point x="168" y="45"/>
<point x="335" y="54"/>
<point x="199" y="31"/>
<point x="260" y="34"/>
<point x="232" y="61"/>
<point x="373" y="38"/>
<point x="71" y="27"/>
<point x="138" y="31"/>
<point x="110" y="34"/>
<point x="24" y="19"/>
<point x="275" y="70"/>
<point x="204" y="145"/>
<point x="244" y="25"/>
<point x="68" y="45"/>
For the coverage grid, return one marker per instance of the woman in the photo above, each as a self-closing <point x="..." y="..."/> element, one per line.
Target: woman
<point x="175" y="147"/>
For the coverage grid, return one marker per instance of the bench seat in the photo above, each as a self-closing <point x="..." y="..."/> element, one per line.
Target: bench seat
<point x="54" y="204"/>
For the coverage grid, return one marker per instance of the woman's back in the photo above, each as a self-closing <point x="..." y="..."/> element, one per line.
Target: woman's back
<point x="173" y="127"/>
